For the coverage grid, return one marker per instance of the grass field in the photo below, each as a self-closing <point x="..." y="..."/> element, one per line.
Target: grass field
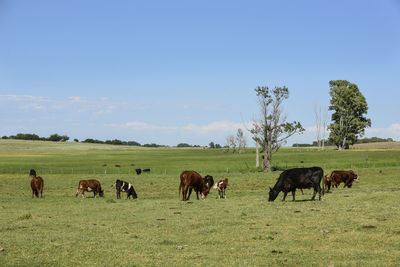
<point x="350" y="227"/>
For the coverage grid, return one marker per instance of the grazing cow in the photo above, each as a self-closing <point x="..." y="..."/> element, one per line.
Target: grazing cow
<point x="192" y="180"/>
<point x="123" y="186"/>
<point x="37" y="186"/>
<point x="347" y="177"/>
<point x="138" y="171"/>
<point x="89" y="185"/>
<point x="328" y="182"/>
<point x="208" y="181"/>
<point x="146" y="170"/>
<point x="221" y="186"/>
<point x="291" y="179"/>
<point x="32" y="173"/>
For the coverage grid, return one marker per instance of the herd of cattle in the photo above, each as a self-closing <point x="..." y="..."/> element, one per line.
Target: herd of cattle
<point x="288" y="181"/>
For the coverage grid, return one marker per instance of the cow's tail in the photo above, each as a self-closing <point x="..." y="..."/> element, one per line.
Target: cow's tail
<point x="179" y="193"/>
<point x="323" y="183"/>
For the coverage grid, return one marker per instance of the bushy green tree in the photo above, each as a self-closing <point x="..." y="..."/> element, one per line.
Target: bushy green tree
<point x="349" y="107"/>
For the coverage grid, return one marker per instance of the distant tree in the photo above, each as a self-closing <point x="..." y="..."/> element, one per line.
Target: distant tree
<point x="76" y="140"/>
<point x="231" y="143"/>
<point x="272" y="125"/>
<point x="4" y="137"/>
<point x="240" y="140"/>
<point x="58" y="138"/>
<point x="183" y="145"/>
<point x="133" y="143"/>
<point x="349" y="107"/>
<point x="211" y="145"/>
<point x="217" y="146"/>
<point x="153" y="145"/>
<point x="22" y="136"/>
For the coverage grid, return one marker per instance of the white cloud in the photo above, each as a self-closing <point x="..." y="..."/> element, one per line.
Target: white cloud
<point x="393" y="131"/>
<point x="216" y="126"/>
<point x="143" y="126"/>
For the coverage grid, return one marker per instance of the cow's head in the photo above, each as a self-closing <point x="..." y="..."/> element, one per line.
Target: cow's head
<point x="204" y="192"/>
<point x="101" y="193"/>
<point x="134" y="195"/>
<point x="273" y="194"/>
<point x="356" y="178"/>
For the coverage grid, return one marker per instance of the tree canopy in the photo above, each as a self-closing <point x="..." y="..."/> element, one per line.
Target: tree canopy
<point x="349" y="107"/>
<point x="271" y="129"/>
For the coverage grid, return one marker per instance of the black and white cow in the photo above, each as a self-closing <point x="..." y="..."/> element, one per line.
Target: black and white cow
<point x="292" y="179"/>
<point x="122" y="186"/>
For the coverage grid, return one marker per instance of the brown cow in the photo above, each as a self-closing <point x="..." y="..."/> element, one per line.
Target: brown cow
<point x="89" y="185"/>
<point x="221" y="186"/>
<point x="37" y="186"/>
<point x="192" y="180"/>
<point x="328" y="182"/>
<point x="337" y="177"/>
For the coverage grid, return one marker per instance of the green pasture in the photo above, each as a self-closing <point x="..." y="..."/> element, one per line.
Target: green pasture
<point x="349" y="227"/>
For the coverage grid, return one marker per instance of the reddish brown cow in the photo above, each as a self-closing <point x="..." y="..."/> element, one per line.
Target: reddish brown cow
<point x="89" y="185"/>
<point x="328" y="182"/>
<point x="37" y="186"/>
<point x="192" y="180"/>
<point x="337" y="177"/>
<point x="221" y="186"/>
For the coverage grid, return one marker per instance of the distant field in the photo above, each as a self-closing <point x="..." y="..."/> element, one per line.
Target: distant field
<point x="350" y="227"/>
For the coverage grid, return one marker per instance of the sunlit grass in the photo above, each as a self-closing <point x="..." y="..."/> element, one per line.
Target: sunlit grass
<point x="349" y="227"/>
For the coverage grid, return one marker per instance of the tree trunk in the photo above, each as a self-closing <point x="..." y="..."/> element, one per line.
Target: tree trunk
<point x="257" y="155"/>
<point x="267" y="160"/>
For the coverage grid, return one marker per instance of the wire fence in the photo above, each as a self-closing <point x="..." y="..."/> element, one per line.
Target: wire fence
<point x="280" y="166"/>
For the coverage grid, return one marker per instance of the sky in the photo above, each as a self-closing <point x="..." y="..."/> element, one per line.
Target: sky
<point x="170" y="72"/>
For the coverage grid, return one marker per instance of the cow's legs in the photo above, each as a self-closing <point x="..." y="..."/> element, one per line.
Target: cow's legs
<point x="315" y="192"/>
<point x="41" y="192"/>
<point x="190" y="192"/>
<point x="347" y="184"/>
<point x="294" y="193"/>
<point x="284" y="195"/>
<point x="185" y="197"/>
<point x="33" y="192"/>
<point x="224" y="193"/>
<point x="77" y="192"/>
<point x="319" y="192"/>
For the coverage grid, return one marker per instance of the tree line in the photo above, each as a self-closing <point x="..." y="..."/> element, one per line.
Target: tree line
<point x="24" y="136"/>
<point x="359" y="141"/>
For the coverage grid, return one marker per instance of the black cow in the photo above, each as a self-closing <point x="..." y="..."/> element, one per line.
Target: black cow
<point x="146" y="170"/>
<point x="291" y="179"/>
<point x="123" y="186"/>
<point x="208" y="181"/>
<point x="138" y="171"/>
<point x="32" y="173"/>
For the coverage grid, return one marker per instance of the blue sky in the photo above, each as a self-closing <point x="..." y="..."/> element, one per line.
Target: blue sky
<point x="185" y="71"/>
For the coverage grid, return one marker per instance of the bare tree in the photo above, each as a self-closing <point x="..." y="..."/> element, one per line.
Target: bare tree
<point x="274" y="128"/>
<point x="256" y="131"/>
<point x="318" y="123"/>
<point x="231" y="143"/>
<point x="241" y="140"/>
<point x="321" y="121"/>
<point x="324" y="127"/>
